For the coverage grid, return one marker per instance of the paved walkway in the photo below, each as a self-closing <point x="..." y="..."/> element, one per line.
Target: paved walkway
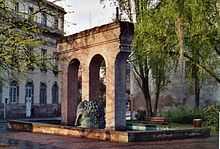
<point x="25" y="140"/>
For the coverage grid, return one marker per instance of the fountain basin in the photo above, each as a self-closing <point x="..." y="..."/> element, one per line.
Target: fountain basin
<point x="108" y="135"/>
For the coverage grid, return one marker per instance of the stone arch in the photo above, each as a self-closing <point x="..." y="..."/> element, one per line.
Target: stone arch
<point x="73" y="92"/>
<point x="110" y="43"/>
<point x="97" y="71"/>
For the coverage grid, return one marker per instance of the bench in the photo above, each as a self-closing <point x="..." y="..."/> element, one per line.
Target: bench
<point x="159" y="120"/>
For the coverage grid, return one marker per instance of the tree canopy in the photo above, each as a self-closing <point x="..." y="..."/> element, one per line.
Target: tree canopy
<point x="19" y="35"/>
<point x="177" y="35"/>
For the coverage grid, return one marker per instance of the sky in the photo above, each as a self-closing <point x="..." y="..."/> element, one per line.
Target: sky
<point x="84" y="14"/>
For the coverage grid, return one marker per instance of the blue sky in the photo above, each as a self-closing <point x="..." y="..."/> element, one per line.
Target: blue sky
<point x="84" y="14"/>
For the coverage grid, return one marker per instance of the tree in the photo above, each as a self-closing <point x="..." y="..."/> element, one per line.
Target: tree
<point x="155" y="48"/>
<point x="142" y="74"/>
<point x="198" y="33"/>
<point x="19" y="35"/>
<point x="193" y="34"/>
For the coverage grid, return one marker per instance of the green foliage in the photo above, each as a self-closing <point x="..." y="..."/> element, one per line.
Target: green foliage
<point x="211" y="117"/>
<point x="19" y="36"/>
<point x="152" y="48"/>
<point x="183" y="115"/>
<point x="170" y="32"/>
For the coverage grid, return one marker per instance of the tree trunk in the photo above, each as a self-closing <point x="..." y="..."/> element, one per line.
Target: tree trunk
<point x="196" y="87"/>
<point x="157" y="96"/>
<point x="147" y="96"/>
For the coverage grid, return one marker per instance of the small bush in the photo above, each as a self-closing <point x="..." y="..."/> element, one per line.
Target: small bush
<point x="183" y="114"/>
<point x="211" y="117"/>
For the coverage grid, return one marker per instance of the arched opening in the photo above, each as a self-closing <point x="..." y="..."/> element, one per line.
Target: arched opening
<point x="29" y="91"/>
<point x="97" y="78"/>
<point x="55" y="93"/>
<point x="74" y="90"/>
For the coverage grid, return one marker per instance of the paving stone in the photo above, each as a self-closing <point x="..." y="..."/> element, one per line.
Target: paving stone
<point x="37" y="141"/>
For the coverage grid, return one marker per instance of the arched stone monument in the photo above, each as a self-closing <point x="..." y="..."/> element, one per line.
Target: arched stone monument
<point x="110" y="43"/>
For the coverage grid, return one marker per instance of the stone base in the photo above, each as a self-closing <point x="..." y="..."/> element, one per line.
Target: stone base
<point x="108" y="135"/>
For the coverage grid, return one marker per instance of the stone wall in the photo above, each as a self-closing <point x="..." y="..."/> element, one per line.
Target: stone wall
<point x="38" y="111"/>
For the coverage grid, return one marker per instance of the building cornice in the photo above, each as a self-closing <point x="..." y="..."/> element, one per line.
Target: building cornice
<point x="93" y="31"/>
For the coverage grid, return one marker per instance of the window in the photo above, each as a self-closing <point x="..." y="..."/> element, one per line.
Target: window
<point x="30" y="63"/>
<point x="44" y="19"/>
<point x="43" y="93"/>
<point x="30" y="13"/>
<point x="13" y="92"/>
<point x="30" y="10"/>
<point x="55" y="93"/>
<point x="55" y="63"/>
<point x="17" y="7"/>
<point x="56" y="22"/>
<point x="29" y="91"/>
<point x="43" y="60"/>
<point x="60" y="24"/>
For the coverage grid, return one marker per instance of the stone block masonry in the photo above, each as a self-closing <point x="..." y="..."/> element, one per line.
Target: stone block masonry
<point x="109" y="44"/>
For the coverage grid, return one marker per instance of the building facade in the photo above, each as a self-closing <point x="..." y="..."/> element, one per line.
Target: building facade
<point x="40" y="85"/>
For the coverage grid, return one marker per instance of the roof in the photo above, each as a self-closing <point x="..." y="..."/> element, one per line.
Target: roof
<point x="51" y="4"/>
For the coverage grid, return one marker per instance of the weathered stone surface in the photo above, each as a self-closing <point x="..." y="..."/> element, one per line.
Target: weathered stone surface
<point x="109" y="135"/>
<point x="111" y="43"/>
<point x="34" y="140"/>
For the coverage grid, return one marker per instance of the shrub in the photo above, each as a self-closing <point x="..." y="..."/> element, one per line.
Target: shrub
<point x="211" y="117"/>
<point x="183" y="114"/>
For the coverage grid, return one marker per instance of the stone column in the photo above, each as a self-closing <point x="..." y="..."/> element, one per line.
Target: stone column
<point x="110" y="96"/>
<point x="63" y="93"/>
<point x="85" y="82"/>
<point x="116" y="93"/>
<point x="120" y="91"/>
